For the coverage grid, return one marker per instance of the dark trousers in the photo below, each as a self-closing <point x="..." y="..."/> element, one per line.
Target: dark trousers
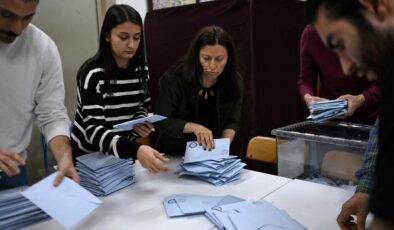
<point x="7" y="182"/>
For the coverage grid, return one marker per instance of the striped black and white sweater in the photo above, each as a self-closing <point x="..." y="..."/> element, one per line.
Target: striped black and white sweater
<point x="98" y="111"/>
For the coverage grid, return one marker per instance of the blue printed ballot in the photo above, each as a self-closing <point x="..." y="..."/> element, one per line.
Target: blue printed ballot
<point x="231" y="213"/>
<point x="217" y="166"/>
<point x="67" y="203"/>
<point x="189" y="204"/>
<point x="104" y="174"/>
<point x="251" y="215"/>
<point x="320" y="111"/>
<point x="196" y="153"/>
<point x="16" y="211"/>
<point x="128" y="125"/>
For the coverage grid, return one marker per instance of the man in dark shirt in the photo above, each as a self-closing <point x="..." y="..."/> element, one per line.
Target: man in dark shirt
<point x="368" y="45"/>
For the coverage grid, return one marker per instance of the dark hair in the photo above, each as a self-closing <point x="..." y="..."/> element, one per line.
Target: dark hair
<point x="350" y="10"/>
<point x="229" y="79"/>
<point x="116" y="14"/>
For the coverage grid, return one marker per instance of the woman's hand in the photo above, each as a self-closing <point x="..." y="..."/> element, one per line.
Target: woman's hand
<point x="143" y="129"/>
<point x="152" y="159"/>
<point x="353" y="103"/>
<point x="309" y="100"/>
<point x="204" y="135"/>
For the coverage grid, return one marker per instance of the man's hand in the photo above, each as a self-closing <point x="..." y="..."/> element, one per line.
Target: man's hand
<point x="151" y="159"/>
<point x="61" y="149"/>
<point x="9" y="162"/>
<point x="353" y="103"/>
<point x="356" y="205"/>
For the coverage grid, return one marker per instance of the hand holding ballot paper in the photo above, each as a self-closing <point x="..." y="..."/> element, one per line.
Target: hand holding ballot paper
<point x="217" y="166"/>
<point x="325" y="110"/>
<point x="129" y="125"/>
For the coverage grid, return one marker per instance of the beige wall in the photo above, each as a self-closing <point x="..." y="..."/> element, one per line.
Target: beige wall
<point x="73" y="25"/>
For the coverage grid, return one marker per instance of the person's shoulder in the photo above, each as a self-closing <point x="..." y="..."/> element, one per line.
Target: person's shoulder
<point x="92" y="75"/>
<point x="174" y="73"/>
<point x="38" y="38"/>
<point x="310" y="33"/>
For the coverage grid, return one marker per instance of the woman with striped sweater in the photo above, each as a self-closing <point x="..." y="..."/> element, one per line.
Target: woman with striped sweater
<point x="112" y="88"/>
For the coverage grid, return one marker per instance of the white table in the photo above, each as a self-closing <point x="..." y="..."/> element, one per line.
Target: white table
<point x="314" y="205"/>
<point x="139" y="206"/>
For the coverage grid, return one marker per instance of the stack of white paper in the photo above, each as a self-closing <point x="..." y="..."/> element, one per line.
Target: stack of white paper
<point x="216" y="166"/>
<point x="16" y="211"/>
<point x="320" y="111"/>
<point x="189" y="204"/>
<point x="104" y="174"/>
<point x="251" y="215"/>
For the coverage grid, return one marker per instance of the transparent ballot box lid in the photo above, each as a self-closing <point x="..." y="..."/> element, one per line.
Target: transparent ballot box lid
<point x="326" y="152"/>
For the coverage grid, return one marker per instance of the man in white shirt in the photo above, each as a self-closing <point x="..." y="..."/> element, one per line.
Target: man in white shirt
<point x="31" y="91"/>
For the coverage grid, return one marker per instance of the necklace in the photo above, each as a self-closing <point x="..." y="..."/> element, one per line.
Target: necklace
<point x="205" y="92"/>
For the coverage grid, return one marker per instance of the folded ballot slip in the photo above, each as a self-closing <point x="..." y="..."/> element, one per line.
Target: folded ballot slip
<point x="251" y="215"/>
<point x="68" y="203"/>
<point x="230" y="212"/>
<point x="192" y="204"/>
<point x="128" y="125"/>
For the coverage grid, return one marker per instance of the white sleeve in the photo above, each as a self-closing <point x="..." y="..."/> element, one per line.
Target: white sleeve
<point x="50" y="112"/>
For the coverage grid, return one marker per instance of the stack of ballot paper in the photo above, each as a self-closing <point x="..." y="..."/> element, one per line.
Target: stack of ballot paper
<point x="104" y="174"/>
<point x="320" y="111"/>
<point x="246" y="215"/>
<point x="231" y="213"/>
<point x="16" y="211"/>
<point x="189" y="204"/>
<point x="216" y="166"/>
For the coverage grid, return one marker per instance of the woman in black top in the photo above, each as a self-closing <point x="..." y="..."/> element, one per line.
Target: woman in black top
<point x="112" y="88"/>
<point x="201" y="94"/>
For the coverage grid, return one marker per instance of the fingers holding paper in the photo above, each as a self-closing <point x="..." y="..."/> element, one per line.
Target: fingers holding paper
<point x="309" y="100"/>
<point x="204" y="135"/>
<point x="353" y="103"/>
<point x="143" y="129"/>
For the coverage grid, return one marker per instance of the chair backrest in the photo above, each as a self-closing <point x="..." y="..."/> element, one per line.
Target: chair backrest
<point x="262" y="149"/>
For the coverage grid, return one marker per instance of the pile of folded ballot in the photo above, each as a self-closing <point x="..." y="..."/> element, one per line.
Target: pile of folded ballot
<point x="320" y="111"/>
<point x="16" y="211"/>
<point x="231" y="213"/>
<point x="217" y="166"/>
<point x="104" y="174"/>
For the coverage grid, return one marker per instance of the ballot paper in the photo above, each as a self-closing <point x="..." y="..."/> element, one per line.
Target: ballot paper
<point x="251" y="215"/>
<point x="68" y="203"/>
<point x="230" y="212"/>
<point x="217" y="166"/>
<point x="16" y="211"/>
<point x="320" y="111"/>
<point x="128" y="125"/>
<point x="189" y="204"/>
<point x="104" y="174"/>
